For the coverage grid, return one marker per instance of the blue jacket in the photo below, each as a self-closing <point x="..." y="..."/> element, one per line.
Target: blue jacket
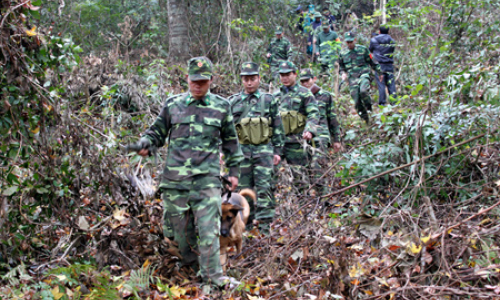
<point x="382" y="46"/>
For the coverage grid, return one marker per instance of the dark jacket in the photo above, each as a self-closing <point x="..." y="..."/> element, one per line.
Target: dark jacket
<point x="382" y="46"/>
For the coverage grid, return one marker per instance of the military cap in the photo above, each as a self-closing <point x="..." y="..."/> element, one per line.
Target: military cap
<point x="287" y="67"/>
<point x="349" y="36"/>
<point x="199" y="68"/>
<point x="317" y="15"/>
<point x="306" y="74"/>
<point x="249" y="68"/>
<point x="325" y="24"/>
<point x="278" y="30"/>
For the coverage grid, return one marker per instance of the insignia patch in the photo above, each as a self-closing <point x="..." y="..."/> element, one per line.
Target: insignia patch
<point x="200" y="64"/>
<point x="248" y="65"/>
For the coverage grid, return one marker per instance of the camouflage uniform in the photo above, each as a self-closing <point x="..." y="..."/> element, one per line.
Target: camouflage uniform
<point x="280" y="49"/>
<point x="356" y="63"/>
<point x="190" y="181"/>
<point x="257" y="167"/>
<point x="300" y="99"/>
<point x="328" y="46"/>
<point x="328" y="130"/>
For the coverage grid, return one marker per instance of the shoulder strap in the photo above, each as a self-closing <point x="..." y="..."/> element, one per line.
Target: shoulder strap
<point x="262" y="105"/>
<point x="244" y="114"/>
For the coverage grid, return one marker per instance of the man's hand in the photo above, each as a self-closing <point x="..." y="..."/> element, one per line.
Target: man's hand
<point x="317" y="53"/>
<point x="337" y="147"/>
<point x="221" y="162"/>
<point x="268" y="55"/>
<point x="344" y="76"/>
<point x="307" y="135"/>
<point x="381" y="78"/>
<point x="234" y="183"/>
<point x="308" y="43"/>
<point x="144" y="143"/>
<point x="276" y="160"/>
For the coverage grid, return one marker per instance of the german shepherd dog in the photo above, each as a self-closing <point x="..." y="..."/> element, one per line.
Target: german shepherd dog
<point x="235" y="212"/>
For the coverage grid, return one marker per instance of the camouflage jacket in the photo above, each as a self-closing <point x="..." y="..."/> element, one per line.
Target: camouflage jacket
<point x="357" y="62"/>
<point x="322" y="45"/>
<point x="280" y="49"/>
<point x="194" y="129"/>
<point x="328" y="118"/>
<point x="239" y="103"/>
<point x="300" y="99"/>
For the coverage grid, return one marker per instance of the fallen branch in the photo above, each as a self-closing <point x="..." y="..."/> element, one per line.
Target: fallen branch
<point x="402" y="167"/>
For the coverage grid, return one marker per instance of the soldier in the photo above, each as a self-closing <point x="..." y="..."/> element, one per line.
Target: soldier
<point x="195" y="123"/>
<point x="328" y="130"/>
<point x="299" y="114"/>
<point x="328" y="119"/>
<point x="310" y="39"/>
<point x="355" y="63"/>
<point x="260" y="132"/>
<point x="327" y="47"/>
<point x="279" y="50"/>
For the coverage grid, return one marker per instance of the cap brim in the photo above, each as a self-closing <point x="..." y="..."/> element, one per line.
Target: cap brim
<point x="198" y="77"/>
<point x="249" y="73"/>
<point x="349" y="39"/>
<point x="305" y="77"/>
<point x="284" y="71"/>
<point x="278" y="32"/>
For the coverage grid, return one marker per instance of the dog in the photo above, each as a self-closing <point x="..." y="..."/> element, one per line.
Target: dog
<point x="235" y="212"/>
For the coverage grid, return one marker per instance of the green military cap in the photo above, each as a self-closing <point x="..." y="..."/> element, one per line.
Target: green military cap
<point x="287" y="67"/>
<point x="278" y="30"/>
<point x="199" y="68"/>
<point x="249" y="68"/>
<point x="349" y="36"/>
<point x="318" y="15"/>
<point x="325" y="24"/>
<point x="306" y="74"/>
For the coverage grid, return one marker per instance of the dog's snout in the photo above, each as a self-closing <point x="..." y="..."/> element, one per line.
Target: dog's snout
<point x="224" y="232"/>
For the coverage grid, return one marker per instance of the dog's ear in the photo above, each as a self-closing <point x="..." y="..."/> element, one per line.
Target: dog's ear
<point x="235" y="209"/>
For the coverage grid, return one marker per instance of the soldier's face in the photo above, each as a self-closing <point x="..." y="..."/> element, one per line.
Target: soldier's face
<point x="250" y="83"/>
<point x="351" y="45"/>
<point x="308" y="83"/>
<point x="288" y="79"/>
<point x="199" y="88"/>
<point x="278" y="36"/>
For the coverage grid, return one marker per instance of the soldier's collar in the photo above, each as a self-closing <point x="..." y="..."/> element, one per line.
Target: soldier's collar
<point x="286" y="89"/>
<point x="245" y="95"/>
<point x="205" y="100"/>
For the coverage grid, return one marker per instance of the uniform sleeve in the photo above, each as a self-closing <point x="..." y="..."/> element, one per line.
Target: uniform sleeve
<point x="312" y="113"/>
<point x="158" y="132"/>
<point x="288" y="50"/>
<point x="230" y="145"/>
<point x="318" y="42"/>
<point x="332" y="121"/>
<point x="322" y="132"/>
<point x="341" y="64"/>
<point x="269" y="48"/>
<point x="278" y="137"/>
<point x="368" y="58"/>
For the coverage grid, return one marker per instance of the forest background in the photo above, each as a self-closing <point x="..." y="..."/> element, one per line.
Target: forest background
<point x="413" y="209"/>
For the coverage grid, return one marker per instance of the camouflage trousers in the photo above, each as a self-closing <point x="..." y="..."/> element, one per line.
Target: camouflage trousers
<point x="274" y="66"/>
<point x="299" y="160"/>
<point x="256" y="173"/>
<point x="360" y="93"/>
<point x="319" y="162"/>
<point x="192" y="217"/>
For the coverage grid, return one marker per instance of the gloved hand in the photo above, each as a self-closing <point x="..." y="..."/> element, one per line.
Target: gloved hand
<point x="344" y="76"/>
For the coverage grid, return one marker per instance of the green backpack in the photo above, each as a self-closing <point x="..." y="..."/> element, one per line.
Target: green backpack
<point x="293" y="122"/>
<point x="253" y="131"/>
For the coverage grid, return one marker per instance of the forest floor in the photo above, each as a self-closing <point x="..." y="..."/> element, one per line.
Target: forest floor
<point x="359" y="244"/>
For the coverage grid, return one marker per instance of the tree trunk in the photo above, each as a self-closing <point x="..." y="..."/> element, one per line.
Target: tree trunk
<point x="178" y="39"/>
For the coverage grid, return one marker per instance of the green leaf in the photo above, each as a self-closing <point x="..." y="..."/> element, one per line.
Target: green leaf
<point x="10" y="190"/>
